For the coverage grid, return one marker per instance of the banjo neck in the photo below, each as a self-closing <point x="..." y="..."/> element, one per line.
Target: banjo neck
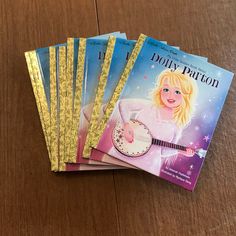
<point x="167" y="144"/>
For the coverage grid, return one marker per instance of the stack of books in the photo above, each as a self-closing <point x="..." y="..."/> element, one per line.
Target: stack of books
<point x="111" y="103"/>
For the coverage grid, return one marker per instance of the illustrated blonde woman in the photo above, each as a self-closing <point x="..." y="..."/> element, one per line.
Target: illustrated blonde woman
<point x="165" y="117"/>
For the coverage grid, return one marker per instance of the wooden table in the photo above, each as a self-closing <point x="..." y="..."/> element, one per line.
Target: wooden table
<point x="35" y="201"/>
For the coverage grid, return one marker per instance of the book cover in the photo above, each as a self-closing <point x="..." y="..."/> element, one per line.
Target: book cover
<point x="163" y="112"/>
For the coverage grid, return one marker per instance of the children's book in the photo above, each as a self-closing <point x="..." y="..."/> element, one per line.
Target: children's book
<point x="163" y="112"/>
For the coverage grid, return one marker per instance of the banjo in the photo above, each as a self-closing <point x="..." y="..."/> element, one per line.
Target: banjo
<point x="142" y="141"/>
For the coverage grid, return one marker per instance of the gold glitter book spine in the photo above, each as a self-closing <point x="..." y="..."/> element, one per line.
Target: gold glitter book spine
<point x="109" y="109"/>
<point x="69" y="95"/>
<point x="77" y="100"/>
<point x="99" y="96"/>
<point x="32" y="79"/>
<point x="53" y="104"/>
<point x="62" y="104"/>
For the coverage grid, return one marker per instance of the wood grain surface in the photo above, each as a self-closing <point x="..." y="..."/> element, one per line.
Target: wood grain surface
<point x="35" y="201"/>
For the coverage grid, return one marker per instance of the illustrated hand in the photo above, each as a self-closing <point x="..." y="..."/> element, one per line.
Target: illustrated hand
<point x="128" y="133"/>
<point x="189" y="152"/>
